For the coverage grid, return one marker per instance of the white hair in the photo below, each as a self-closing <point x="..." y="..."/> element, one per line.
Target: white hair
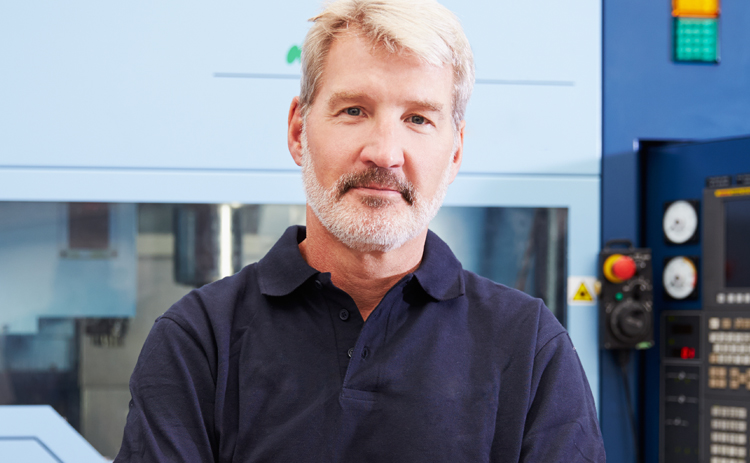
<point x="422" y="28"/>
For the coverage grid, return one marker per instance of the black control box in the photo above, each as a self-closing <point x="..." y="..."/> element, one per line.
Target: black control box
<point x="626" y="297"/>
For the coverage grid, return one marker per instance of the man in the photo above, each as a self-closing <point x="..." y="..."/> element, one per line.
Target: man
<point x="360" y="338"/>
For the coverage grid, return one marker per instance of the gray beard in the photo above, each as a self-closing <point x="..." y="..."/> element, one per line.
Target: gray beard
<point x="376" y="224"/>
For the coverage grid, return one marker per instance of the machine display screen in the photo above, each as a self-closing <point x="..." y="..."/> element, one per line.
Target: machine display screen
<point x="737" y="258"/>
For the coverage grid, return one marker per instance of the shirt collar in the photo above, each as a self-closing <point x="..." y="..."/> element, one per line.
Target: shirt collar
<point x="284" y="269"/>
<point x="440" y="274"/>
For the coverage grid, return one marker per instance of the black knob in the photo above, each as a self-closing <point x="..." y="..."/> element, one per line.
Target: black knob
<point x="630" y="321"/>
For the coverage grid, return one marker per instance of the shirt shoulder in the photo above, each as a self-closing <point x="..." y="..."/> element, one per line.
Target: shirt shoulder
<point x="505" y="306"/>
<point x="210" y="314"/>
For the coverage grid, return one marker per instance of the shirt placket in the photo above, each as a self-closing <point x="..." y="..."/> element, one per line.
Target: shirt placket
<point x="345" y="319"/>
<point x="363" y="373"/>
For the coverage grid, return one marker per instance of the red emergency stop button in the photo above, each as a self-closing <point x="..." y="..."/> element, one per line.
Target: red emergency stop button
<point x="619" y="268"/>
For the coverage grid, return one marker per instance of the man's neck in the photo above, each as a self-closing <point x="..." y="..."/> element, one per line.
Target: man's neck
<point x="365" y="276"/>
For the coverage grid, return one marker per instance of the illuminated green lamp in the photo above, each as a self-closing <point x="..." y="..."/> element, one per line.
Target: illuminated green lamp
<point x="696" y="40"/>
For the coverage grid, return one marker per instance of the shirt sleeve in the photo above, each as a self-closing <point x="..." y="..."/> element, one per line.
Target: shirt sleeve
<point x="171" y="415"/>
<point x="561" y="424"/>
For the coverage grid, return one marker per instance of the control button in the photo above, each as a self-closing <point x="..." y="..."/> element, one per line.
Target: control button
<point x="624" y="268"/>
<point x="618" y="268"/>
<point x="731" y="298"/>
<point x="350" y="352"/>
<point x="618" y="296"/>
<point x="318" y="284"/>
<point x="747" y="298"/>
<point x="344" y="315"/>
<point x="721" y="298"/>
<point x="365" y="353"/>
<point x="714" y="323"/>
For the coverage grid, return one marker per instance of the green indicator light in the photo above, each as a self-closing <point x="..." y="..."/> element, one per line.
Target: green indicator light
<point x="696" y="40"/>
<point x="618" y="296"/>
<point x="644" y="345"/>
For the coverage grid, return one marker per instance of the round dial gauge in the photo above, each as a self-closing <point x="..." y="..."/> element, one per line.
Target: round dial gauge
<point x="680" y="277"/>
<point x="680" y="222"/>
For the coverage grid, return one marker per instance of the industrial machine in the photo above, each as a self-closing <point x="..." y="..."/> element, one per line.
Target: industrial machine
<point x="706" y="354"/>
<point x="701" y="257"/>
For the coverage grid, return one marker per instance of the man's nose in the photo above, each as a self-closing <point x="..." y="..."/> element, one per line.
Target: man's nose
<point x="385" y="147"/>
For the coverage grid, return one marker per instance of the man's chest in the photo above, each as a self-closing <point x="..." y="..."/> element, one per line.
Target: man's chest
<point x="411" y="391"/>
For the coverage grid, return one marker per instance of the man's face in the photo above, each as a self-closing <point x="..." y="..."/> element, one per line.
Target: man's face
<point x="378" y="148"/>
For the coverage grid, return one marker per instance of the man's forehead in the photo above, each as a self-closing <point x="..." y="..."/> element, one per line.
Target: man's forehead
<point x="354" y="64"/>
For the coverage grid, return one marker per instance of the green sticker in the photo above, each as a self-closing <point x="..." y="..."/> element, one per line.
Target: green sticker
<point x="294" y="54"/>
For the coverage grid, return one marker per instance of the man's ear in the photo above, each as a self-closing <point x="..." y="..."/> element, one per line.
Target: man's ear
<point x="294" y="131"/>
<point x="458" y="153"/>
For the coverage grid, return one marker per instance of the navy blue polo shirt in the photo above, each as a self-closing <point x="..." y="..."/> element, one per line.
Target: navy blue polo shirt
<point x="275" y="364"/>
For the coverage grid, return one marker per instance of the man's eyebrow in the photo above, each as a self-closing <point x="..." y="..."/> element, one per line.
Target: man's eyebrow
<point x="428" y="105"/>
<point x="338" y="98"/>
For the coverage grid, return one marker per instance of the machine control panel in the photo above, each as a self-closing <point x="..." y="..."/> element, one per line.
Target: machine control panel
<point x="729" y="357"/>
<point x="727" y="385"/>
<point x="681" y="387"/>
<point x="726" y="423"/>
<point x="626" y="298"/>
<point x="705" y="386"/>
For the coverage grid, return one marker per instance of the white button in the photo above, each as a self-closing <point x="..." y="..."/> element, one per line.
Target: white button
<point x="730" y="298"/>
<point x="747" y="298"/>
<point x="721" y="298"/>
<point x="714" y="322"/>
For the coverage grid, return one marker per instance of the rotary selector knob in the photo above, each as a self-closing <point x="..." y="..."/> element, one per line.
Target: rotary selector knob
<point x="630" y="321"/>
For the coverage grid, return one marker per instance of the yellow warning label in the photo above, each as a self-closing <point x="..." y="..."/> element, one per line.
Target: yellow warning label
<point x="583" y="294"/>
<point x="732" y="192"/>
<point x="581" y="290"/>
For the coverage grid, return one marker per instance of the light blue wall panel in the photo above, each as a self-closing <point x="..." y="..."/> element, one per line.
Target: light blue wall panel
<point x="525" y="128"/>
<point x="207" y="86"/>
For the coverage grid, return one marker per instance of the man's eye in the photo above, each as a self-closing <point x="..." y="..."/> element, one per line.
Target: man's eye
<point x="353" y="111"/>
<point x="419" y="120"/>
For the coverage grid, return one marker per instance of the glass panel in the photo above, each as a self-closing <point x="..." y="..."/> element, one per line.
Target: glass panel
<point x="84" y="282"/>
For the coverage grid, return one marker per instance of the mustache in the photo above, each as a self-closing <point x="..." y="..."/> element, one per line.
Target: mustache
<point x="376" y="176"/>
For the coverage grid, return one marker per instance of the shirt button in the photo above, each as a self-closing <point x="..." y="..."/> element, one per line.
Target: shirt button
<point x="344" y="314"/>
<point x="318" y="284"/>
<point x="350" y="352"/>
